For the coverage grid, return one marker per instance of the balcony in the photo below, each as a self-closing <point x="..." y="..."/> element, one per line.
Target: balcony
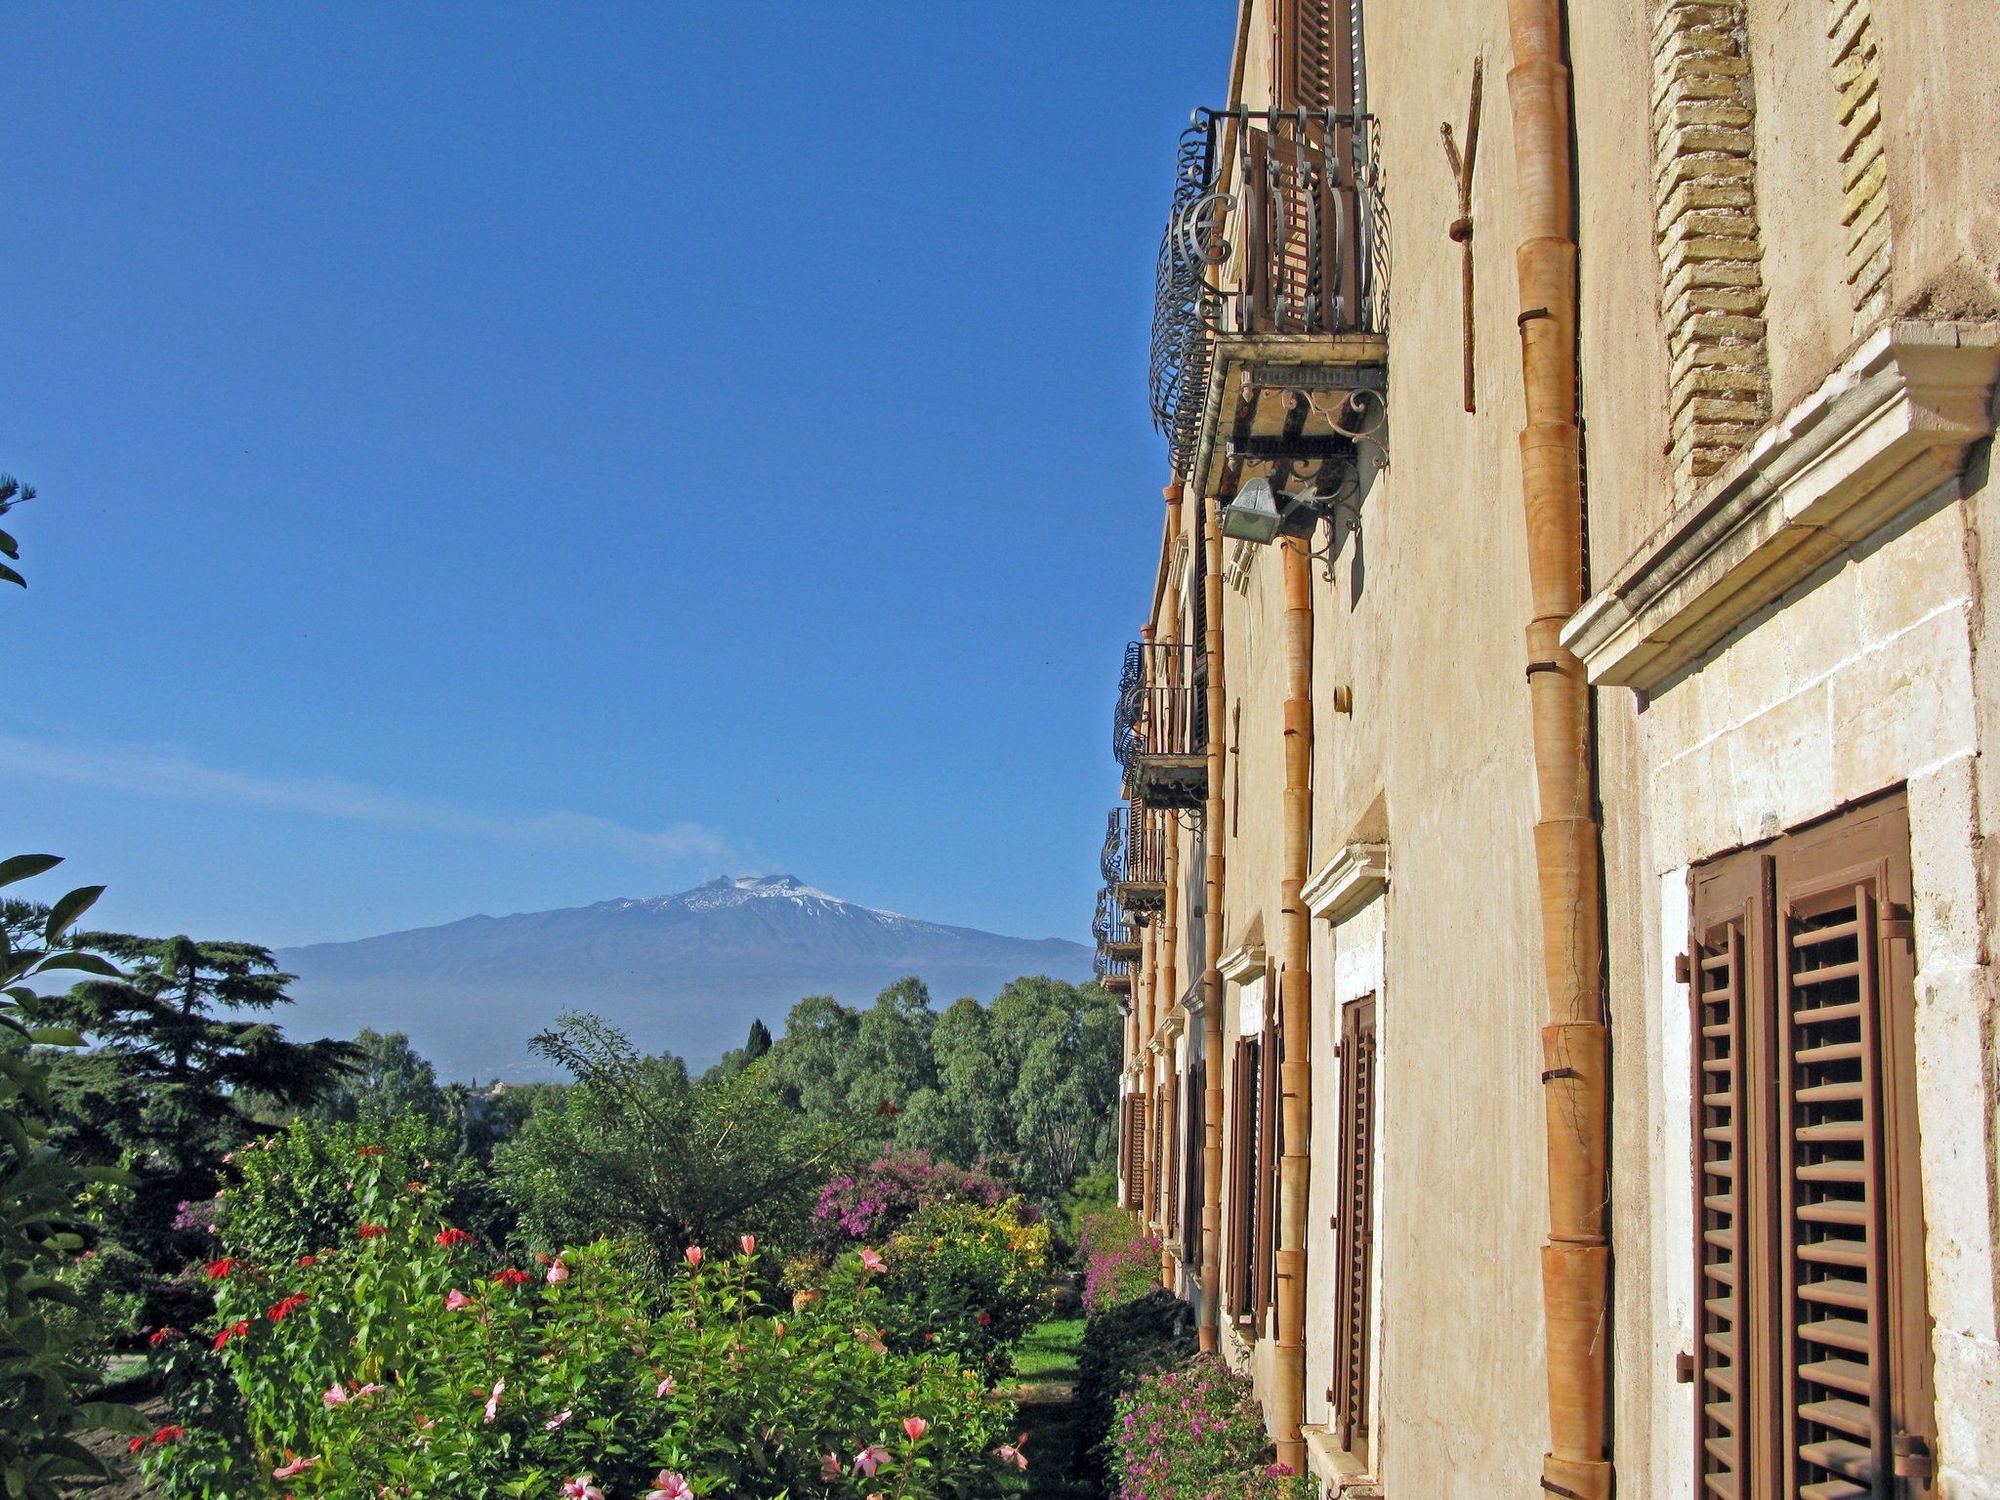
<point x="1159" y="731"/>
<point x="1116" y="937"/>
<point x="1270" y="312"/>
<point x="1135" y="859"/>
<point x="1113" y="972"/>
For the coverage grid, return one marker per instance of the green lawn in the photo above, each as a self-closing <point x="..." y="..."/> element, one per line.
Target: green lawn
<point x="1044" y="1383"/>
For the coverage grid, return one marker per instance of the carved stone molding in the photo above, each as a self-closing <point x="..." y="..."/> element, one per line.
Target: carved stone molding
<point x="1879" y="435"/>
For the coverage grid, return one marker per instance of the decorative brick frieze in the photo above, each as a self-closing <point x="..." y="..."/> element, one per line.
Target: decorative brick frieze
<point x="1863" y="179"/>
<point x="1705" y="199"/>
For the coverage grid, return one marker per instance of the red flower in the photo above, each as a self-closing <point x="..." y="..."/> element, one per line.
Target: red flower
<point x="169" y="1434"/>
<point x="233" y="1331"/>
<point x="512" y="1277"/>
<point x="986" y="1320"/>
<point x="308" y="1260"/>
<point x="135" y="1445"/>
<point x="368" y="1151"/>
<point x="217" y="1269"/>
<point x="280" y="1310"/>
<point x="453" y="1237"/>
<point x="161" y="1335"/>
<point x="369" y="1231"/>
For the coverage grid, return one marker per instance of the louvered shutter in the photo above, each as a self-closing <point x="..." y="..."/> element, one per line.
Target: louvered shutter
<point x="1268" y="1146"/>
<point x="1855" y="1329"/>
<point x="1173" y="1152"/>
<point x="1354" y="1231"/>
<point x="1726" y="990"/>
<point x="1194" y="1156"/>
<point x="1242" y="1174"/>
<point x="1812" y="1349"/>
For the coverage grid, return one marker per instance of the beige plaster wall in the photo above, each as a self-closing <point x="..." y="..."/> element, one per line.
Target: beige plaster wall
<point x="1809" y="314"/>
<point x="1940" y="99"/>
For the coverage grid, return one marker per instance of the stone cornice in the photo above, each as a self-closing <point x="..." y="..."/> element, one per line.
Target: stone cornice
<point x="1243" y="963"/>
<point x="1347" y="882"/>
<point x="1883" y="431"/>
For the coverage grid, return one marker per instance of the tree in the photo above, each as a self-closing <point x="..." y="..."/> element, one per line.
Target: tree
<point x="13" y="493"/>
<point x="892" y="1049"/>
<point x="738" y="1058"/>
<point x="636" y="1149"/>
<point x="964" y="1118"/>
<point x="814" y="1062"/>
<point x="180" y="1072"/>
<point x="389" y="1080"/>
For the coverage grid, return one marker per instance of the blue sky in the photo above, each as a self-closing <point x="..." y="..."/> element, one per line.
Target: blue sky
<point x="492" y="461"/>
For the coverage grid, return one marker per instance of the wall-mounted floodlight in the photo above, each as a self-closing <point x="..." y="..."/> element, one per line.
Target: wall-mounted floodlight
<point x="1262" y="514"/>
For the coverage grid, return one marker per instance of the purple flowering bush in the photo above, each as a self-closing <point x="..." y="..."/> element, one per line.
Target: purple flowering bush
<point x="1121" y="1261"/>
<point x="878" y="1200"/>
<point x="1195" y="1432"/>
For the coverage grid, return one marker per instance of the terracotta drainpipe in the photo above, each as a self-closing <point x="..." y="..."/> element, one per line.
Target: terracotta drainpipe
<point x="1576" y="1261"/>
<point x="1169" y="980"/>
<point x="1295" y="1000"/>
<point x="1211" y="977"/>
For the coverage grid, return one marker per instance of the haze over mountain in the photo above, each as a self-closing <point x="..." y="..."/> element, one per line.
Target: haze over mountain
<point x="684" y="973"/>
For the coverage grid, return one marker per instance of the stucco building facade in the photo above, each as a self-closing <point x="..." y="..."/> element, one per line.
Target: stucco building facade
<point x="1554" y="891"/>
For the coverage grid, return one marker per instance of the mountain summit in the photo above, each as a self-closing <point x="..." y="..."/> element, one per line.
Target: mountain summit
<point x="684" y="973"/>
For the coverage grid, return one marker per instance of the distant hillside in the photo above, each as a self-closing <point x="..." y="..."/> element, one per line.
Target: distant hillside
<point x="685" y="973"/>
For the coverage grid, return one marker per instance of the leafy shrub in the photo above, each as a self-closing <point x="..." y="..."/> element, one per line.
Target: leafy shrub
<point x="1121" y="1261"/>
<point x="293" y="1192"/>
<point x="406" y="1360"/>
<point x="1195" y="1432"/>
<point x="874" y="1203"/>
<point x="1120" y="1347"/>
<point x="48" y="1355"/>
<point x="968" y="1280"/>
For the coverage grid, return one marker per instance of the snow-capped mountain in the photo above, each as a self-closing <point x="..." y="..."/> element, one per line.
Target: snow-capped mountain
<point x="685" y="973"/>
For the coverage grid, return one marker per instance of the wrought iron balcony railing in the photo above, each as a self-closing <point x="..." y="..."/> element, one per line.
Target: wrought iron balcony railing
<point x="1160" y="728"/>
<point x="1115" y="934"/>
<point x="1141" y="883"/>
<point x="1275" y="229"/>
<point x="1114" y="971"/>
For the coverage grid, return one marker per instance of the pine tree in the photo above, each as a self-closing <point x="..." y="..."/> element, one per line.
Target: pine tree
<point x="177" y="1065"/>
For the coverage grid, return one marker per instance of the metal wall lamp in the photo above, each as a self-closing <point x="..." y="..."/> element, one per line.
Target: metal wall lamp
<point x="1262" y="514"/>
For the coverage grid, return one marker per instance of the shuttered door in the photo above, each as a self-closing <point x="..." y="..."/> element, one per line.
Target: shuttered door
<point x="1173" y="1154"/>
<point x="1354" y="1230"/>
<point x="1268" y="1148"/>
<point x="1855" y="1335"/>
<point x="1728" y="988"/>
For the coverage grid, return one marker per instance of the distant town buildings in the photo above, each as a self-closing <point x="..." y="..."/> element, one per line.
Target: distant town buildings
<point x="1554" y="889"/>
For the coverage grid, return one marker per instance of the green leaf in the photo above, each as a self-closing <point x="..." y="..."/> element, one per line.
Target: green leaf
<point x="21" y="866"/>
<point x="89" y="963"/>
<point x="8" y="575"/>
<point x="55" y="1036"/>
<point x="112" y="1416"/>
<point x="63" y="915"/>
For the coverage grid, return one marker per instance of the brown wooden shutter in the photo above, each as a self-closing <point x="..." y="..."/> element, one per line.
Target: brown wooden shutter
<point x="1194" y="1162"/>
<point x="1354" y="1237"/>
<point x="1268" y="1146"/>
<point x="1856" y="1345"/>
<point x="1242" y="1175"/>
<point x="1726" y="988"/>
<point x="1812" y="1350"/>
<point x="1173" y="1151"/>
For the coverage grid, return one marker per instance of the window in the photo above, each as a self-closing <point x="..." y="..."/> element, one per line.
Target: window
<point x="1193" y="1162"/>
<point x="1354" y="1233"/>
<point x="1171" y="1149"/>
<point x="1812" y="1348"/>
